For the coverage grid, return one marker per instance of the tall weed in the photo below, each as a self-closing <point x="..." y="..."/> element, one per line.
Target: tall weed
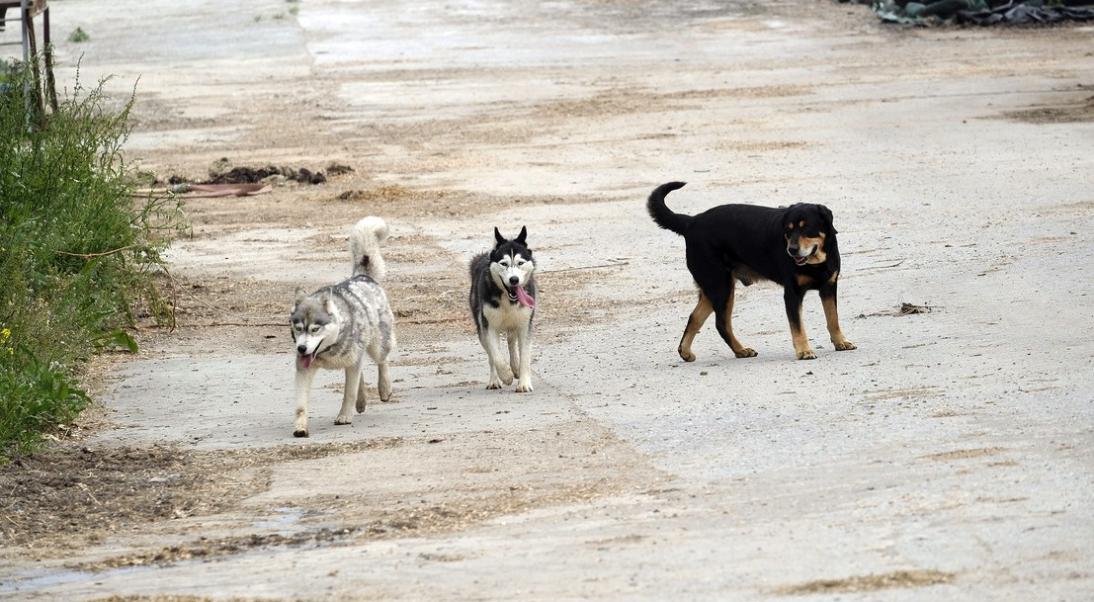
<point x="78" y="254"/>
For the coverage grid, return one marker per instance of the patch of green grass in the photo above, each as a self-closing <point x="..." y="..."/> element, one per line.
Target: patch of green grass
<point x="79" y="257"/>
<point x="78" y="36"/>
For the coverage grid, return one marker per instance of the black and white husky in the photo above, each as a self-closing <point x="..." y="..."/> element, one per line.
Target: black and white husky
<point x="338" y="326"/>
<point x="503" y="300"/>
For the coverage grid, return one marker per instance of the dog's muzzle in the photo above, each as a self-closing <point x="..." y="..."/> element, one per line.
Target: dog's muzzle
<point x="801" y="259"/>
<point x="304" y="358"/>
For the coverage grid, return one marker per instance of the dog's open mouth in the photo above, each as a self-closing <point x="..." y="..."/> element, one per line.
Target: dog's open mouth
<point x="799" y="260"/>
<point x="306" y="359"/>
<point x="519" y="295"/>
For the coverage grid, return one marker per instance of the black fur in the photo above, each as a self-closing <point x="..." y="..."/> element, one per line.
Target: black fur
<point x="745" y="242"/>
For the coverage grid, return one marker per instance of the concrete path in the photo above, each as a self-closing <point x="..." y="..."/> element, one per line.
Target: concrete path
<point x="950" y="457"/>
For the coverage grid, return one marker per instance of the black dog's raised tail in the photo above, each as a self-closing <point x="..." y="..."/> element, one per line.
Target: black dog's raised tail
<point x="662" y="215"/>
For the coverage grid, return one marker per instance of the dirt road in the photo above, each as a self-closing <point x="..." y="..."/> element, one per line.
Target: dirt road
<point x="950" y="457"/>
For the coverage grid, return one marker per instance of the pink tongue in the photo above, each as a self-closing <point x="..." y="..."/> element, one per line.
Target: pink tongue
<point x="305" y="360"/>
<point x="524" y="298"/>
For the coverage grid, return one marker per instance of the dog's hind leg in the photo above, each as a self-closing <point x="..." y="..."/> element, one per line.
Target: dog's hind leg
<point x="361" y="397"/>
<point x="698" y="317"/>
<point x="831" y="316"/>
<point x="721" y="299"/>
<point x="304" y="377"/>
<point x="383" y="380"/>
<point x="514" y="354"/>
<point x="734" y="343"/>
<point x="349" y="395"/>
<point x="793" y="299"/>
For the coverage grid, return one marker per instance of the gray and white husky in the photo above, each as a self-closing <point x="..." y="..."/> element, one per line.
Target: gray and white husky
<point x="503" y="300"/>
<point x="337" y="326"/>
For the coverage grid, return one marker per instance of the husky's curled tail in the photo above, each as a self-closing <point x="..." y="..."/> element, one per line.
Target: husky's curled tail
<point x="364" y="247"/>
<point x="662" y="215"/>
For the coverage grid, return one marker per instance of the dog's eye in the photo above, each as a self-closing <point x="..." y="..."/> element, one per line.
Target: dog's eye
<point x="504" y="263"/>
<point x="314" y="328"/>
<point x="521" y="262"/>
<point x="298" y="327"/>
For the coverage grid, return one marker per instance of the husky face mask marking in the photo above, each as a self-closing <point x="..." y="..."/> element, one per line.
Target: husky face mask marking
<point x="314" y="327"/>
<point x="512" y="266"/>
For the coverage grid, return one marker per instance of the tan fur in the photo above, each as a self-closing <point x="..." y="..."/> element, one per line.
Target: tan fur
<point x="801" y="340"/>
<point x="831" y="317"/>
<point x="699" y="315"/>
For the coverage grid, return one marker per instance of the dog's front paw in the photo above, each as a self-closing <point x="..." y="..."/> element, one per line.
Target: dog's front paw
<point x="687" y="356"/>
<point x="343" y="420"/>
<point x="300" y="433"/>
<point x="807" y="355"/>
<point x="745" y="352"/>
<point x="494" y="384"/>
<point x="523" y="387"/>
<point x="845" y="345"/>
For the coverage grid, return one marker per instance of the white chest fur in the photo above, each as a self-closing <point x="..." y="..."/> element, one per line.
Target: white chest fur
<point x="507" y="317"/>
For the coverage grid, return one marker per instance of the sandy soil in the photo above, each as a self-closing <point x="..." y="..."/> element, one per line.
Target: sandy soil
<point x="949" y="457"/>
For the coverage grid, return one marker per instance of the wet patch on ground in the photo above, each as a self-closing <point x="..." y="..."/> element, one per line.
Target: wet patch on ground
<point x="964" y="454"/>
<point x="868" y="583"/>
<point x="75" y="495"/>
<point x="1077" y="112"/>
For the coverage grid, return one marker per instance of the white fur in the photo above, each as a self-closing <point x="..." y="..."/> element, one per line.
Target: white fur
<point x="365" y="239"/>
<point x="512" y="319"/>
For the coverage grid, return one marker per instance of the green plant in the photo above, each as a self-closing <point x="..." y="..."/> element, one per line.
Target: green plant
<point x="78" y="255"/>
<point x="78" y="36"/>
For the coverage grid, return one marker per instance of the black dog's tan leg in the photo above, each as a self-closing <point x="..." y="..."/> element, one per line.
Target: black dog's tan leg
<point x="719" y="294"/>
<point x="793" y="299"/>
<point x="831" y="316"/>
<point x="699" y="315"/>
<point x="738" y="349"/>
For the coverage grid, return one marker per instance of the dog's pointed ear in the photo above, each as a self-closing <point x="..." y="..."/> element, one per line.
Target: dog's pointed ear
<point x="498" y="237"/>
<point x="300" y="294"/>
<point x="826" y="213"/>
<point x="523" y="235"/>
<point x="328" y="302"/>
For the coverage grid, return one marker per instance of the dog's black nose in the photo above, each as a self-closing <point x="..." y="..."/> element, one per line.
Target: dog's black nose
<point x="301" y="348"/>
<point x="513" y="280"/>
<point x="792" y="250"/>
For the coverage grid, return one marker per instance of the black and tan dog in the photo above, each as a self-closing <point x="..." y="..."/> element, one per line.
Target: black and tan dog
<point x="793" y="246"/>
